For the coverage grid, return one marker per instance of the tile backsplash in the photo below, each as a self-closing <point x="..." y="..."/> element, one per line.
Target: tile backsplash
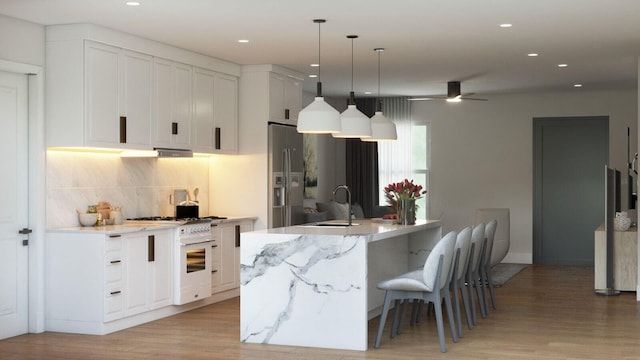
<point x="141" y="186"/>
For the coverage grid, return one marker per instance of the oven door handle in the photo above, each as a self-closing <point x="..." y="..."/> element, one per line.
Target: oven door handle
<point x="197" y="243"/>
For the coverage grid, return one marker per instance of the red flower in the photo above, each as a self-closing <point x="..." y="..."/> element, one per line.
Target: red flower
<point x="403" y="190"/>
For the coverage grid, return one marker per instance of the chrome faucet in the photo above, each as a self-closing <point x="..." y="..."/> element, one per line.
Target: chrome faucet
<point x="345" y="188"/>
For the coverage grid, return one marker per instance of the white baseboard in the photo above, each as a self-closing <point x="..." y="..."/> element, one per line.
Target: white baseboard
<point x="518" y="258"/>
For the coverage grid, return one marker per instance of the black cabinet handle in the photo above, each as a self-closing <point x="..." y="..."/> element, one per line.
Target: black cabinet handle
<point x="286" y="114"/>
<point x="214" y="271"/>
<point x="115" y="236"/>
<point x="174" y="128"/>
<point x="151" y="249"/>
<point x="123" y="129"/>
<point x="217" y="139"/>
<point x="115" y="292"/>
<point x="115" y="261"/>
<point x="237" y="235"/>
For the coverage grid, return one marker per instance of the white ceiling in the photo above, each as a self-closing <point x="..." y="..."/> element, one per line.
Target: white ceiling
<point x="427" y="42"/>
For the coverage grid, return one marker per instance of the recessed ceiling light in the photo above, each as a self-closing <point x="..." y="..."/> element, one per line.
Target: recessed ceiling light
<point x="243" y="41"/>
<point x="506" y="25"/>
<point x="133" y="3"/>
<point x="577" y="85"/>
<point x="313" y="76"/>
<point x="315" y="65"/>
<point x="367" y="92"/>
<point x="532" y="54"/>
<point x="562" y="65"/>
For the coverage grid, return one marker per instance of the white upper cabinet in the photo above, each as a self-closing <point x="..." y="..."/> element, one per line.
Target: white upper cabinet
<point x="102" y="63"/>
<point x="108" y="89"/>
<point x="215" y="121"/>
<point x="225" y="114"/>
<point x="135" y="98"/>
<point x="172" y="104"/>
<point x="285" y="98"/>
<point x="203" y="123"/>
<point x="117" y="97"/>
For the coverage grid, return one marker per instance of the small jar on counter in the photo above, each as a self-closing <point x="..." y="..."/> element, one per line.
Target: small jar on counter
<point x="116" y="215"/>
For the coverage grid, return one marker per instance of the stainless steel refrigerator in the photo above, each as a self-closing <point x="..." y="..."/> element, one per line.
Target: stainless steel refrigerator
<point x="286" y="176"/>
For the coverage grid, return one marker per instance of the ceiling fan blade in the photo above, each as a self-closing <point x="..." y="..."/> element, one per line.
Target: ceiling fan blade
<point x="453" y="94"/>
<point x="426" y="98"/>
<point x="476" y="99"/>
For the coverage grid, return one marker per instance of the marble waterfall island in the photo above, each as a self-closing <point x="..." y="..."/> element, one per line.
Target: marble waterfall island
<point x="315" y="285"/>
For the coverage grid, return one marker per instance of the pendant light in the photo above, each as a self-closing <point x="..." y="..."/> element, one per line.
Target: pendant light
<point x="319" y="117"/>
<point x="354" y="123"/>
<point x="382" y="129"/>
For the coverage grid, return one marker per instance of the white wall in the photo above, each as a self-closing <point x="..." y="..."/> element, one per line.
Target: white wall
<point x="482" y="152"/>
<point x="21" y="41"/>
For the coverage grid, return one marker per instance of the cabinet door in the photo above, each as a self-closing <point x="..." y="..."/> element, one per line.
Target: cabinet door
<point x="163" y="102"/>
<point x="276" y="97"/>
<point x="292" y="99"/>
<point x="216" y="259"/>
<point x="229" y="268"/>
<point x="101" y="95"/>
<point x="160" y="261"/>
<point x="225" y="114"/>
<point x="203" y="115"/>
<point x="244" y="226"/>
<point x="183" y="105"/>
<point x="172" y="104"/>
<point x="135" y="98"/>
<point x="136" y="274"/>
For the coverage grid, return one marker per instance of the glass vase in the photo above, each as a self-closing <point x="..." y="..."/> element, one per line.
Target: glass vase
<point x="406" y="212"/>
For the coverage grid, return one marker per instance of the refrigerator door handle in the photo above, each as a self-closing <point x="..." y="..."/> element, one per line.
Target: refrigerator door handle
<point x="287" y="187"/>
<point x="285" y="196"/>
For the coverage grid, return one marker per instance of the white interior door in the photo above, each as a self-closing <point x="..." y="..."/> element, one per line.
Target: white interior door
<point x="13" y="204"/>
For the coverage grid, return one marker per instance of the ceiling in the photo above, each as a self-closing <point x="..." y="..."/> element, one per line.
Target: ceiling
<point x="427" y="42"/>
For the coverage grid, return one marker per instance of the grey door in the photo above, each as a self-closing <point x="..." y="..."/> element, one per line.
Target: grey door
<point x="568" y="193"/>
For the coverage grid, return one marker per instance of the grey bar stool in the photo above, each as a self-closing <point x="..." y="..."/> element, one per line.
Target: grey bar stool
<point x="429" y="284"/>
<point x="458" y="278"/>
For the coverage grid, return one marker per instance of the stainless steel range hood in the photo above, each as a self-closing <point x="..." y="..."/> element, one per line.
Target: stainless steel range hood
<point x="159" y="153"/>
<point x="164" y="153"/>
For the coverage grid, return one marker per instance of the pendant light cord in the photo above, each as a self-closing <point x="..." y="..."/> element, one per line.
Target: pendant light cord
<point x="378" y="76"/>
<point x="352" y="100"/>
<point x="378" y="102"/>
<point x="319" y="67"/>
<point x="352" y="64"/>
<point x="319" y="83"/>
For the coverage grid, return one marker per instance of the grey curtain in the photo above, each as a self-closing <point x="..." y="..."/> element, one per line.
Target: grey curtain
<point x="362" y="165"/>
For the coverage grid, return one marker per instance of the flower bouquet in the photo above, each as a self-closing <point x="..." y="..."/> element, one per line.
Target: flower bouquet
<point x="401" y="197"/>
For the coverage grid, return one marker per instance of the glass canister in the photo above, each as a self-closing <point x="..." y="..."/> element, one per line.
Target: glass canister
<point x="116" y="215"/>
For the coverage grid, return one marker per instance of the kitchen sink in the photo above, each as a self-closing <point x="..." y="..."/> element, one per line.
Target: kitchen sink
<point x="333" y="224"/>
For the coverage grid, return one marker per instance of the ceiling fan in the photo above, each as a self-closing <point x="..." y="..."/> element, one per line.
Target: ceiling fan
<point x="453" y="94"/>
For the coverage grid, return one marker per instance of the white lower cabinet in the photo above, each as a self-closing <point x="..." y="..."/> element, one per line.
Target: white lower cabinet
<point x="226" y="256"/>
<point x="94" y="279"/>
<point x="147" y="271"/>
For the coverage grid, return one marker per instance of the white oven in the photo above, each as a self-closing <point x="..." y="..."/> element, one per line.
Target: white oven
<point x="194" y="252"/>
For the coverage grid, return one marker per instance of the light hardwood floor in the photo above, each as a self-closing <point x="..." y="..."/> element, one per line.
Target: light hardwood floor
<point x="544" y="312"/>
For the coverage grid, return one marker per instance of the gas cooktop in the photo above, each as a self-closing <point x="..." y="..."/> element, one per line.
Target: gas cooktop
<point x="173" y="218"/>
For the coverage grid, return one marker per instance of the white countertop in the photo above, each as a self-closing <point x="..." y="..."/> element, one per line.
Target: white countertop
<point x="135" y="226"/>
<point x="380" y="229"/>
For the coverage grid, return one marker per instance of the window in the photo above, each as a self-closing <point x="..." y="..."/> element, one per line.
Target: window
<point x="408" y="157"/>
